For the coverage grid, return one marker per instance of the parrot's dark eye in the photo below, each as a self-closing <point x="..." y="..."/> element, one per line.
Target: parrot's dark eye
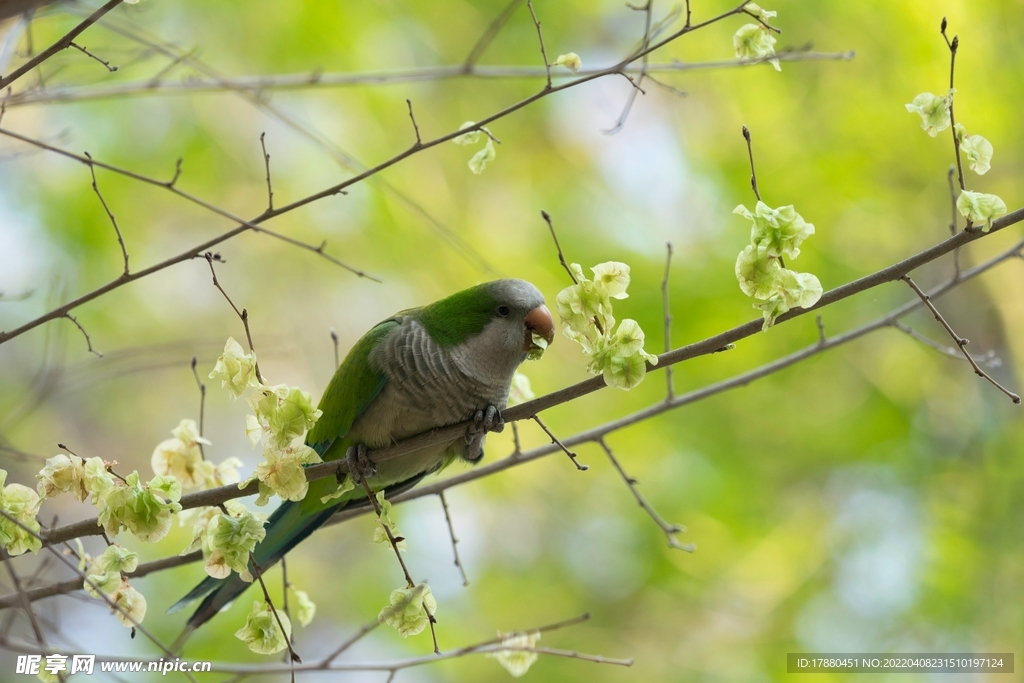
<point x="504" y="310"/>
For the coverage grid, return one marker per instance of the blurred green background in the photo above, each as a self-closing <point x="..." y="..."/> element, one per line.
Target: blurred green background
<point x="869" y="499"/>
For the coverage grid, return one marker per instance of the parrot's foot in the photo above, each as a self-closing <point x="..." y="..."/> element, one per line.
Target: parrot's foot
<point x="486" y="420"/>
<point x="358" y="463"/>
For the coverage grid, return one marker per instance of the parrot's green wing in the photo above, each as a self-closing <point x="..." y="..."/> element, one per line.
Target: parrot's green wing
<point x="354" y="385"/>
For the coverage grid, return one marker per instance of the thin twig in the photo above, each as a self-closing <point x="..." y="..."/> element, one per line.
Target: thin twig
<point x="277" y="617"/>
<point x="392" y="541"/>
<point x="110" y="215"/>
<point x="561" y="257"/>
<point x="540" y="37"/>
<point x="202" y="403"/>
<point x="243" y="314"/>
<point x="266" y="162"/>
<point x="263" y="83"/>
<point x="953" y="45"/>
<point x="455" y="541"/>
<point x="326" y="662"/>
<point x="822" y="339"/>
<point x="953" y="218"/>
<point x="415" y="127"/>
<point x="490" y="34"/>
<point x="960" y="341"/>
<point x="88" y="340"/>
<point x="110" y="67"/>
<point x="554" y="440"/>
<point x="648" y="10"/>
<point x="26" y="604"/>
<point x="750" y="153"/>
<point x="670" y="530"/>
<point x="989" y="358"/>
<point x="334" y="340"/>
<point x="61" y="44"/>
<point x="667" y="316"/>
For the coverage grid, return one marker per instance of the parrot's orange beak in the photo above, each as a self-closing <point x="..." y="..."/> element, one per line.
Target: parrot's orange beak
<point x="539" y="321"/>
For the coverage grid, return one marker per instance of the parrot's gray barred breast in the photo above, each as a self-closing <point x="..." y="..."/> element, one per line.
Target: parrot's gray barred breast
<point x="428" y="386"/>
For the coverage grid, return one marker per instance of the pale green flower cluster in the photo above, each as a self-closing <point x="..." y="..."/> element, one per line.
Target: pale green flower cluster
<point x="303" y="608"/>
<point x="775" y="234"/>
<point x="182" y="458"/>
<point x="281" y="417"/>
<point x="386" y="520"/>
<point x="755" y="41"/>
<point x="22" y="504"/>
<point x="977" y="149"/>
<point x="105" y="576"/>
<point x="143" y="509"/>
<point x="586" y="311"/>
<point x="485" y="155"/>
<point x="519" y="660"/>
<point x="410" y="610"/>
<point x="235" y="369"/>
<point x="261" y="632"/>
<point x="570" y="61"/>
<point x="935" y="111"/>
<point x="226" y="539"/>
<point x="980" y="208"/>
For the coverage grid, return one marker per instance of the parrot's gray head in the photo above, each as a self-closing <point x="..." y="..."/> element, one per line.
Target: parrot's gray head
<point x="519" y="314"/>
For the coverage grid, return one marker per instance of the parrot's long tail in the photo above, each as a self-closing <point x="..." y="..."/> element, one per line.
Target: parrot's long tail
<point x="286" y="528"/>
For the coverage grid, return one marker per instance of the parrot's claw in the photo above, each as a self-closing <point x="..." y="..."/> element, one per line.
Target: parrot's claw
<point x="489" y="419"/>
<point x="486" y="420"/>
<point x="359" y="463"/>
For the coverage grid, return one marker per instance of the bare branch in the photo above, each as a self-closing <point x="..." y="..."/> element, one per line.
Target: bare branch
<point x="110" y="214"/>
<point x="554" y="440"/>
<point x="412" y="117"/>
<point x="202" y="403"/>
<point x="540" y="38"/>
<point x="670" y="530"/>
<point x="294" y="656"/>
<point x="489" y="35"/>
<point x="243" y="314"/>
<point x="989" y="358"/>
<point x="358" y="474"/>
<point x="648" y="10"/>
<point x="953" y="218"/>
<point x="61" y="44"/>
<point x="110" y="67"/>
<point x="561" y="257"/>
<point x="334" y="339"/>
<point x="349" y="643"/>
<point x="266" y="162"/>
<point x="750" y="153"/>
<point x="301" y="81"/>
<point x="88" y="340"/>
<point x="455" y="541"/>
<point x="953" y="45"/>
<point x="667" y="316"/>
<point x="960" y="341"/>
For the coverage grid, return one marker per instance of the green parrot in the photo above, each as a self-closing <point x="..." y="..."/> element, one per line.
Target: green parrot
<point x="428" y="367"/>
